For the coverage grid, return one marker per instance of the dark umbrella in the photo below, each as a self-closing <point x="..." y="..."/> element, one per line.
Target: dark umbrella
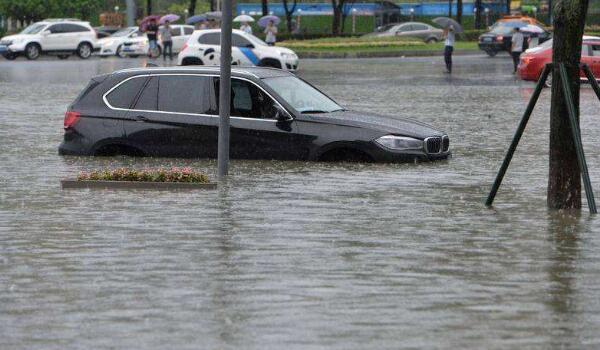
<point x="214" y="15"/>
<point x="263" y="21"/>
<point x="446" y="22"/>
<point x="196" y="19"/>
<point x="147" y="20"/>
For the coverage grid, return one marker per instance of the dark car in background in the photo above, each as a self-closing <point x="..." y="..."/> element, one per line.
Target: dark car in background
<point x="174" y="112"/>
<point x="499" y="38"/>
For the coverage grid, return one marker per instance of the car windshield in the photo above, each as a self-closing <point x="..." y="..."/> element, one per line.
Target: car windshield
<point x="122" y="32"/>
<point x="33" y="29"/>
<point x="257" y="40"/>
<point x="300" y="95"/>
<point x="505" y="28"/>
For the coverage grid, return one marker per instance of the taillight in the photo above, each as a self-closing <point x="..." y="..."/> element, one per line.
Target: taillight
<point x="184" y="47"/>
<point x="71" y="118"/>
<point x="499" y="38"/>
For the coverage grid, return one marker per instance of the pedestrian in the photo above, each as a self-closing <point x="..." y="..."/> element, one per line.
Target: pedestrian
<point x="245" y="27"/>
<point x="449" y="47"/>
<point x="516" y="47"/>
<point x="271" y="31"/>
<point x="166" y="40"/>
<point x="151" y="33"/>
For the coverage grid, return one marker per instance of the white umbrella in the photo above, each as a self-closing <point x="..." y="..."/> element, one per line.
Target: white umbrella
<point x="243" y="18"/>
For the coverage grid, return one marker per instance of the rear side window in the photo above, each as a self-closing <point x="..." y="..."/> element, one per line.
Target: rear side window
<point x="74" y="28"/>
<point x="148" y="99"/>
<point x="186" y="94"/>
<point x="56" y="28"/>
<point x="419" y="27"/>
<point x="188" y="30"/>
<point x="124" y="95"/>
<point x="210" y="39"/>
<point x="585" y="50"/>
<point x="596" y="49"/>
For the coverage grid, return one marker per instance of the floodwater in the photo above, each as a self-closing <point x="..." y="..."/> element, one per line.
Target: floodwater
<point x="301" y="255"/>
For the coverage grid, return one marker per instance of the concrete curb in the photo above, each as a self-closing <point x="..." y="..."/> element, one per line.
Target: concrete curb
<point x="408" y="53"/>
<point x="135" y="185"/>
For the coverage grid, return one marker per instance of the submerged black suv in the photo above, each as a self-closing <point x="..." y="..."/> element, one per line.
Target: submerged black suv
<point x="173" y="112"/>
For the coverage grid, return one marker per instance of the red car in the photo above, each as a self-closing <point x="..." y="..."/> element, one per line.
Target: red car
<point x="533" y="60"/>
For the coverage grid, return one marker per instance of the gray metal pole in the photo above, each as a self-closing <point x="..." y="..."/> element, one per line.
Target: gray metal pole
<point x="224" y="89"/>
<point x="131" y="10"/>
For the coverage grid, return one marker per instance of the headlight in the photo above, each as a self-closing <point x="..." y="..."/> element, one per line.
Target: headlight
<point x="400" y="143"/>
<point x="287" y="55"/>
<point x="6" y="42"/>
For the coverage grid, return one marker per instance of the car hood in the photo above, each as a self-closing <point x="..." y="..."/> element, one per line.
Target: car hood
<point x="377" y="122"/>
<point x="16" y="37"/>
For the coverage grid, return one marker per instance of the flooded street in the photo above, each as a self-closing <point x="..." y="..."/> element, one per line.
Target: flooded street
<point x="301" y="255"/>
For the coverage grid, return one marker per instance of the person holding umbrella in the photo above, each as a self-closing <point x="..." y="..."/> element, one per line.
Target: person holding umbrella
<point x="244" y="20"/>
<point x="166" y="40"/>
<point x="449" y="47"/>
<point x="151" y="33"/>
<point x="271" y="31"/>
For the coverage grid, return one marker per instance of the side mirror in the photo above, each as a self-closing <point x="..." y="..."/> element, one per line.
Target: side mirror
<point x="134" y="35"/>
<point x="250" y="46"/>
<point x="45" y="32"/>
<point x="282" y="115"/>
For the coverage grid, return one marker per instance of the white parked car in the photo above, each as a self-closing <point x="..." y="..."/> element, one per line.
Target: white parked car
<point x="61" y="37"/>
<point x="139" y="46"/>
<point x="203" y="48"/>
<point x="113" y="45"/>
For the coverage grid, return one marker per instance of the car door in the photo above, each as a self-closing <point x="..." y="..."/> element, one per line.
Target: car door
<point x="52" y="37"/>
<point x="175" y="115"/>
<point x="255" y="133"/>
<point x="595" y="66"/>
<point x="243" y="51"/>
<point x="177" y="37"/>
<point x="186" y="33"/>
<point x="420" y="31"/>
<point x="210" y="49"/>
<point x="404" y="30"/>
<point x="71" y="35"/>
<point x="586" y="57"/>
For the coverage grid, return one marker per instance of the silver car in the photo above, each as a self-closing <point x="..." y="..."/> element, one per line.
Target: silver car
<point x="425" y="32"/>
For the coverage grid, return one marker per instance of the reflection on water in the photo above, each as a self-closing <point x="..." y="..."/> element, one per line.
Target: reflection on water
<point x="300" y="255"/>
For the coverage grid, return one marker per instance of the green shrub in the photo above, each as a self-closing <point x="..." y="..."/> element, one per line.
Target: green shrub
<point x="145" y="175"/>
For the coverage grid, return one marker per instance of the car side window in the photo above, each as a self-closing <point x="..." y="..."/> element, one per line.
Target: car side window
<point x="239" y="41"/>
<point x="419" y="27"/>
<point x="405" y="28"/>
<point x="596" y="50"/>
<point x="56" y="29"/>
<point x="187" y="30"/>
<point x="249" y="101"/>
<point x="125" y="94"/>
<point x="148" y="98"/>
<point x="175" y="31"/>
<point x="73" y="28"/>
<point x="210" y="39"/>
<point x="585" y="50"/>
<point x="186" y="94"/>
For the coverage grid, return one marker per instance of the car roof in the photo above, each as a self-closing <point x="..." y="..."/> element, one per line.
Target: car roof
<point x="217" y="30"/>
<point x="254" y="72"/>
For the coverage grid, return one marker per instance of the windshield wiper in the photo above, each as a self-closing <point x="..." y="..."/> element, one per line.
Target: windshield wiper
<point x="314" y="111"/>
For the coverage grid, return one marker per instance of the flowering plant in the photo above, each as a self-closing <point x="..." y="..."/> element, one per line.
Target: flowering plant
<point x="145" y="175"/>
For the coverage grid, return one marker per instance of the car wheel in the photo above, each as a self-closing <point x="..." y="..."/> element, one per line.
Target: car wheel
<point x="269" y="62"/>
<point x="134" y="56"/>
<point x="192" y="61"/>
<point x="548" y="82"/>
<point x="491" y="53"/>
<point x="84" y="50"/>
<point x="431" y="41"/>
<point x="120" y="52"/>
<point x="63" y="57"/>
<point x="9" y="56"/>
<point x="32" y="51"/>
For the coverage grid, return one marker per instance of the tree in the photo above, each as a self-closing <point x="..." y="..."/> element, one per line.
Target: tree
<point x="477" y="14"/>
<point x="265" y="7"/>
<point x="338" y="7"/>
<point x="459" y="10"/>
<point x="192" y="8"/>
<point x="449" y="8"/>
<point x="148" y="7"/>
<point x="288" y="13"/>
<point x="508" y="7"/>
<point x="564" y="179"/>
<point x="346" y="12"/>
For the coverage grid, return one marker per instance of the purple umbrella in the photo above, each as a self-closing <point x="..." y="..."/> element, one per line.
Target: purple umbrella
<point x="147" y="20"/>
<point x="263" y="21"/>
<point x="170" y="17"/>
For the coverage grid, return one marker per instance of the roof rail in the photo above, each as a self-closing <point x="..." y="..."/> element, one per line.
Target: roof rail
<point x="62" y="20"/>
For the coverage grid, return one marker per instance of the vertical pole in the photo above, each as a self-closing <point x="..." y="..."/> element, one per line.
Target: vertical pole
<point x="130" y="13"/>
<point x="518" y="134"/>
<point x="577" y="139"/>
<point x="224" y="90"/>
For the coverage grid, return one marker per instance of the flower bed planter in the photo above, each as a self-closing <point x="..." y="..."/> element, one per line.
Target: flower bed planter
<point x="123" y="178"/>
<point x="135" y="185"/>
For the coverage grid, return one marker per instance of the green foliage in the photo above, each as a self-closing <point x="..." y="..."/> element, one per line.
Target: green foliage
<point x="35" y="10"/>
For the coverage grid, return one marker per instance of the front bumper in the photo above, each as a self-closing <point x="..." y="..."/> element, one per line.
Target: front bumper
<point x="290" y="64"/>
<point x="491" y="46"/>
<point x="13" y="48"/>
<point x="135" y="49"/>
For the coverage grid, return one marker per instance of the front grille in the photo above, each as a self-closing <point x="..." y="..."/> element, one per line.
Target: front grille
<point x="445" y="143"/>
<point x="433" y="145"/>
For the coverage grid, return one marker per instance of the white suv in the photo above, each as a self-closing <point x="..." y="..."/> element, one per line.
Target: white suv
<point x="62" y="37"/>
<point x="203" y="48"/>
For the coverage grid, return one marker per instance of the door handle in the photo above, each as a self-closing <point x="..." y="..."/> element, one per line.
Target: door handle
<point x="141" y="118"/>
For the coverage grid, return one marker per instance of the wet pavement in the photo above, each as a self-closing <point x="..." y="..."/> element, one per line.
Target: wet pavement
<point x="301" y="255"/>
